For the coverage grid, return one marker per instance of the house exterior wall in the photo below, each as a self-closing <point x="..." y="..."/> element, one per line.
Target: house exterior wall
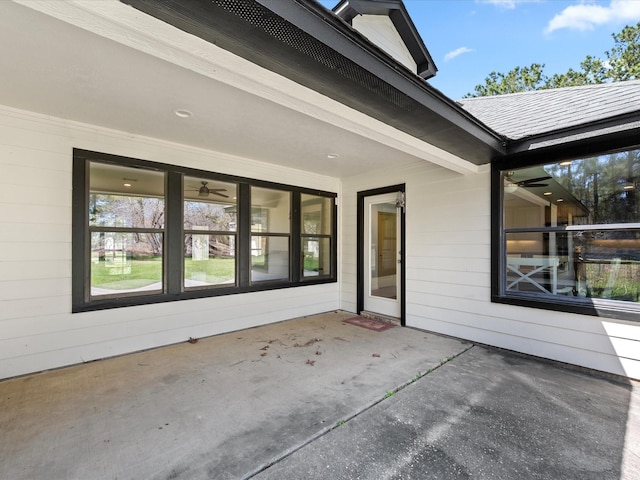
<point x="447" y="258"/>
<point x="37" y="329"/>
<point x="448" y="275"/>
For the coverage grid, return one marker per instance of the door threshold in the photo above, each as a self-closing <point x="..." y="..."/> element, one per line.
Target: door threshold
<point x="381" y="317"/>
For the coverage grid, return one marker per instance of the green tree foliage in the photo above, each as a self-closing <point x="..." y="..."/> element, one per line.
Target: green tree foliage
<point x="624" y="57"/>
<point x="622" y="63"/>
<point x="520" y="79"/>
<point x="605" y="185"/>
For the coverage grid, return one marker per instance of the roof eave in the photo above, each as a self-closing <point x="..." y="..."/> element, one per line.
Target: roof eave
<point x="614" y="132"/>
<point x="303" y="41"/>
<point x="402" y="78"/>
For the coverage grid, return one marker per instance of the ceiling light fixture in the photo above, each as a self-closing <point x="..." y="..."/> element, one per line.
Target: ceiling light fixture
<point x="182" y="113"/>
<point x="510" y="187"/>
<point x="560" y="200"/>
<point x="127" y="184"/>
<point x="629" y="186"/>
<point x="332" y="155"/>
<point x="546" y="194"/>
<point x="565" y="164"/>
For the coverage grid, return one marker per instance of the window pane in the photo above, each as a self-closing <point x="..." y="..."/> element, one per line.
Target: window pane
<point x="209" y="205"/>
<point x="125" y="197"/>
<point x="126" y="263"/>
<point x="594" y="264"/>
<point x="316" y="215"/>
<point x="590" y="191"/>
<point x="209" y="260"/>
<point x="317" y="257"/>
<point x="269" y="258"/>
<point x="270" y="210"/>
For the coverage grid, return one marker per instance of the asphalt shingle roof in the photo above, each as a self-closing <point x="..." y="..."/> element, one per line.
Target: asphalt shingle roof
<point x="520" y="115"/>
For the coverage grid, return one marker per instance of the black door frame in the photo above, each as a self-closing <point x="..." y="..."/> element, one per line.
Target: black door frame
<point x="360" y="245"/>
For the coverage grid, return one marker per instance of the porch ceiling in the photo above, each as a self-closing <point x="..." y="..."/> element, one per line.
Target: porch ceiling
<point x="107" y="64"/>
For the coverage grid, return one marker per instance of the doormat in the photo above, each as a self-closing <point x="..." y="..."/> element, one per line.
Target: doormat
<point x="370" y="323"/>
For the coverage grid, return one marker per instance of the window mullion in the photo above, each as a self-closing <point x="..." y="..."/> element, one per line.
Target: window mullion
<point x="244" y="235"/>
<point x="174" y="258"/>
<point x="296" y="240"/>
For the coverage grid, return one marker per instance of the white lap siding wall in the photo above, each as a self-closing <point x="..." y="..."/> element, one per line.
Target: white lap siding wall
<point x="37" y="329"/>
<point x="448" y="275"/>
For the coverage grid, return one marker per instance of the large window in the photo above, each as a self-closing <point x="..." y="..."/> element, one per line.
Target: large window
<point x="316" y="235"/>
<point x="146" y="232"/>
<point x="570" y="233"/>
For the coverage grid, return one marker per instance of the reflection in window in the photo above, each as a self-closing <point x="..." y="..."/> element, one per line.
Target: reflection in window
<point x="126" y="222"/>
<point x="572" y="228"/>
<point x="270" y="260"/>
<point x="125" y="263"/>
<point x="317" y="224"/>
<point x="209" y="207"/>
<point x="270" y="227"/>
<point x="209" y="260"/>
<point x="316" y="254"/>
<point x="270" y="210"/>
<point x="593" y="263"/>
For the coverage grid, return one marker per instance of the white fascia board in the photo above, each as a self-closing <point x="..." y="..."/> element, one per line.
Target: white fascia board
<point x="124" y="24"/>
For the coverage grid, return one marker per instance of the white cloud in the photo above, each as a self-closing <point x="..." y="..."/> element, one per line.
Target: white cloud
<point x="587" y="16"/>
<point x="458" y="51"/>
<point x="502" y="3"/>
<point x="508" y="4"/>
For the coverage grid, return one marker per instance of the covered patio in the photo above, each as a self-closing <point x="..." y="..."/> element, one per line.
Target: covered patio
<point x="319" y="397"/>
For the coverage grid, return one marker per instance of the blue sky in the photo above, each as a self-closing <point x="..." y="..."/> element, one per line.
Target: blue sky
<point x="468" y="39"/>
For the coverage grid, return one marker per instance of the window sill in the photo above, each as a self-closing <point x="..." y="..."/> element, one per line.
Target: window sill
<point x="594" y="307"/>
<point x="135" y="300"/>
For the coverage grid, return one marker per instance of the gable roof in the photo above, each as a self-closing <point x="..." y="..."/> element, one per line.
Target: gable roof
<point x="520" y="115"/>
<point x="396" y="11"/>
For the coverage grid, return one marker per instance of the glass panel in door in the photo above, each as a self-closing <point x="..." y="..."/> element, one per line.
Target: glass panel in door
<point x="384" y="266"/>
<point x="382" y="279"/>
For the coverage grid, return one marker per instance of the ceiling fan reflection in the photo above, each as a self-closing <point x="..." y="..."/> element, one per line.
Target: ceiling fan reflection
<point x="204" y="191"/>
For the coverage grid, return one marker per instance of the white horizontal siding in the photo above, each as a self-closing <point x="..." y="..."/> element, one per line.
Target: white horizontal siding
<point x="109" y="326"/>
<point x="448" y="240"/>
<point x="612" y="363"/>
<point x="481" y="320"/>
<point x="28" y="289"/>
<point x="37" y="329"/>
<point x="53" y="232"/>
<point x="37" y="270"/>
<point x="441" y="289"/>
<point x="34" y="250"/>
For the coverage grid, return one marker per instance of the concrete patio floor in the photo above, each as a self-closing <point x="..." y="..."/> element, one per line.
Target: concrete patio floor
<point x="318" y="398"/>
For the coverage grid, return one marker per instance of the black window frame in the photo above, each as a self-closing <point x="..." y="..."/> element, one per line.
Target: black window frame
<point x="173" y="252"/>
<point x="613" y="309"/>
<point x="320" y="236"/>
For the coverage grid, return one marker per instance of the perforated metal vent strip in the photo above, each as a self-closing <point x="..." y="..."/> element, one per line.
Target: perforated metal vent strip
<point x="295" y="38"/>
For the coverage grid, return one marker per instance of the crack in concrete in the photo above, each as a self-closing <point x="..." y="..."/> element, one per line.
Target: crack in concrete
<point x="344" y="421"/>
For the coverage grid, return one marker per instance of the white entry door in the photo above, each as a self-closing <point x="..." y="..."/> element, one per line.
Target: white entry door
<point x="382" y="255"/>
